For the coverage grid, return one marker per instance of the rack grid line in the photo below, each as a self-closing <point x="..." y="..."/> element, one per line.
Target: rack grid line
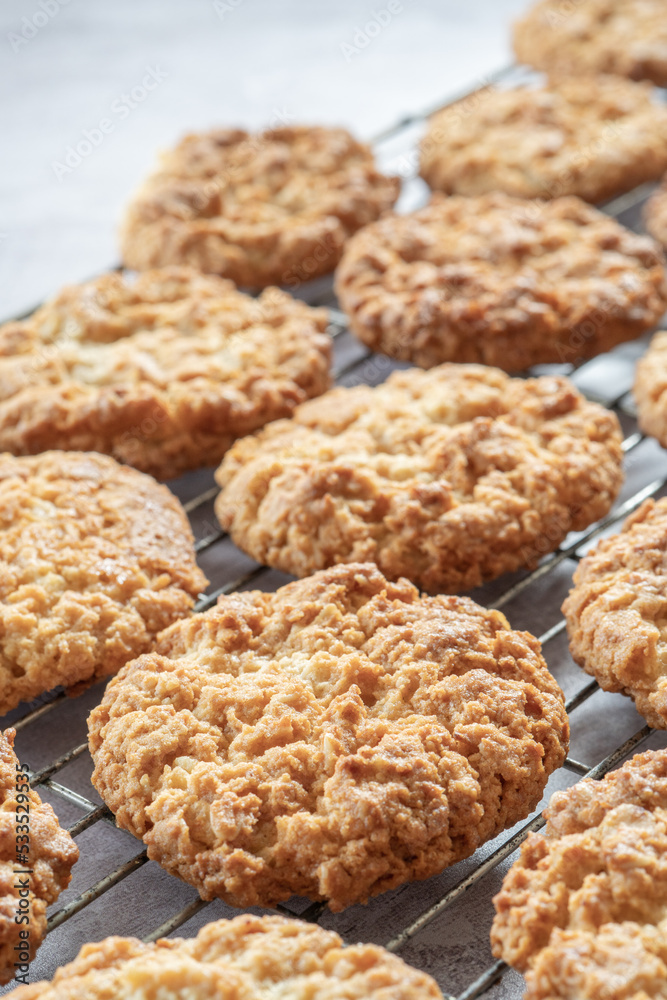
<point x="94" y="813"/>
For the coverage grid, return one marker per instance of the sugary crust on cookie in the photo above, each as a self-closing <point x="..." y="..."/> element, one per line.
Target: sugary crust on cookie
<point x="271" y="208"/>
<point x="163" y="371"/>
<point x="449" y="477"/>
<point x="501" y="281"/>
<point x="593" y="137"/>
<point x="95" y="560"/>
<point x="616" y="612"/>
<point x="650" y="389"/>
<point x="334" y="739"/>
<point x="51" y="853"/>
<point x="583" y="909"/>
<point x="655" y="214"/>
<point x="623" y="37"/>
<point x="247" y="958"/>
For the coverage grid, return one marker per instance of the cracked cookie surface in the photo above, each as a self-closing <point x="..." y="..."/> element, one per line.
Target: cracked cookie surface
<point x="501" y="281"/>
<point x="247" y="958"/>
<point x="163" y="371"/>
<point x="582" y="911"/>
<point x="616" y="613"/>
<point x="334" y="739"/>
<point x="95" y="560"/>
<point x="650" y="389"/>
<point x="624" y="37"/>
<point x="449" y="477"/>
<point x="272" y="208"/>
<point x="593" y="137"/>
<point x="655" y="214"/>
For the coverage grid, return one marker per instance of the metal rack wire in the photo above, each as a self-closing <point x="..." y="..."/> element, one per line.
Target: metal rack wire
<point x="607" y="380"/>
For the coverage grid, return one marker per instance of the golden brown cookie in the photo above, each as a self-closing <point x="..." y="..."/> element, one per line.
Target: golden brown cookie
<point x="95" y="560"/>
<point x="247" y="958"/>
<point x="35" y="866"/>
<point x="655" y="214"/>
<point x="449" y="477"/>
<point x="163" y="371"/>
<point x="650" y="389"/>
<point x="271" y="208"/>
<point x="617" y="610"/>
<point x="500" y="280"/>
<point x="624" y="37"/>
<point x="334" y="739"/>
<point x="584" y="908"/>
<point x="594" y="137"/>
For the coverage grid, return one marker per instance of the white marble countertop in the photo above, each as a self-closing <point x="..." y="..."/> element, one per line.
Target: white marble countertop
<point x="68" y="64"/>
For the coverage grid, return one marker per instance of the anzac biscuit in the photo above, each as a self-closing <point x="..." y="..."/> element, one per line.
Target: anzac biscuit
<point x="248" y="958"/>
<point x="655" y="214"/>
<point x="650" y="389"/>
<point x="594" y="137"/>
<point x="163" y="371"/>
<point x="575" y="37"/>
<point x="334" y="739"/>
<point x="34" y="868"/>
<point x="95" y="560"/>
<point x="617" y="610"/>
<point x="272" y="208"/>
<point x="501" y="281"/>
<point x="449" y="477"/>
<point x="583" y="909"/>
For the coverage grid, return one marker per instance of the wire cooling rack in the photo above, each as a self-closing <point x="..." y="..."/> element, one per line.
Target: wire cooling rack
<point x="440" y="925"/>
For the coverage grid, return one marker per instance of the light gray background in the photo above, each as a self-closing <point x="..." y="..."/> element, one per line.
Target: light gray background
<point x="242" y="64"/>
